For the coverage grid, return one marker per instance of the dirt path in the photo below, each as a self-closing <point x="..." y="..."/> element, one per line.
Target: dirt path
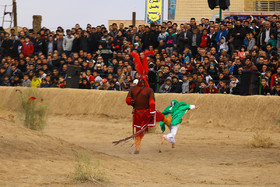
<point x="203" y="156"/>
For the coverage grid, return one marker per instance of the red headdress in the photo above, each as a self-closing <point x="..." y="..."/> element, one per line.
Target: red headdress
<point x="142" y="69"/>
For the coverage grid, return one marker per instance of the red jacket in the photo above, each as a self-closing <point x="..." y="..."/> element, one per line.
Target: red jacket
<point x="204" y="42"/>
<point x="211" y="91"/>
<point x="27" y="49"/>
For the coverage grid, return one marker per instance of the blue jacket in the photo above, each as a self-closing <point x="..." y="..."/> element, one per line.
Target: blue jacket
<point x="221" y="34"/>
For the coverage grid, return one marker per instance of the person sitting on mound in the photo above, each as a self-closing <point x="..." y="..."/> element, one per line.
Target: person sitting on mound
<point x="177" y="111"/>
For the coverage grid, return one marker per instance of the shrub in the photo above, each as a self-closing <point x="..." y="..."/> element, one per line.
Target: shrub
<point x="32" y="110"/>
<point x="261" y="141"/>
<point x="85" y="171"/>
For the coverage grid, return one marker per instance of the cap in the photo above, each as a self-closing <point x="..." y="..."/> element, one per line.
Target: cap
<point x="91" y="78"/>
<point x="168" y="78"/>
<point x="104" y="80"/>
<point x="175" y="76"/>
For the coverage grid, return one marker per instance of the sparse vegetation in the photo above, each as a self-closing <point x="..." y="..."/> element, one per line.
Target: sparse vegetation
<point x="32" y="110"/>
<point x="85" y="171"/>
<point x="260" y="140"/>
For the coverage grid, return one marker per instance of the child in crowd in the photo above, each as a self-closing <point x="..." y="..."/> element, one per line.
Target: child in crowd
<point x="211" y="88"/>
<point x="223" y="45"/>
<point x="224" y="89"/>
<point x="202" y="87"/>
<point x="166" y="87"/>
<point x="26" y="81"/>
<point x="36" y="82"/>
<point x="272" y="41"/>
<point x="276" y="90"/>
<point x="242" y="53"/>
<point x="265" y="89"/>
<point x="185" y="85"/>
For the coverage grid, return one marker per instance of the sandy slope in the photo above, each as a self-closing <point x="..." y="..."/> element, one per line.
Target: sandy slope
<point x="211" y="149"/>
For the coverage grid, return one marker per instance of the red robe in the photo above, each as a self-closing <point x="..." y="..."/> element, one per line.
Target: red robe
<point x="144" y="114"/>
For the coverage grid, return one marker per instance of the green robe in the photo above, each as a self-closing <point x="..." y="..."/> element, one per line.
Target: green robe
<point x="177" y="111"/>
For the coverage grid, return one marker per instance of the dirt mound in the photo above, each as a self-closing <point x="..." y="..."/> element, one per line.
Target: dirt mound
<point x="233" y="112"/>
<point x="30" y="158"/>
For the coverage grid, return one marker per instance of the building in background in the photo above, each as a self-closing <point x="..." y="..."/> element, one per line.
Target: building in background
<point x="186" y="9"/>
<point x="181" y="11"/>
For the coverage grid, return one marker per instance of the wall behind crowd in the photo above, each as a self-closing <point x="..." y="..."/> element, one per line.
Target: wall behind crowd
<point x="228" y="57"/>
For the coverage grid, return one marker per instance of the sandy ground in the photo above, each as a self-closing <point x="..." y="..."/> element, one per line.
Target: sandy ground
<point x="203" y="156"/>
<point x="212" y="146"/>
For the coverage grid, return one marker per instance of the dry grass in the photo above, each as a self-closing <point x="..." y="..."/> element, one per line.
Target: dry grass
<point x="85" y="171"/>
<point x="260" y="140"/>
<point x="32" y="110"/>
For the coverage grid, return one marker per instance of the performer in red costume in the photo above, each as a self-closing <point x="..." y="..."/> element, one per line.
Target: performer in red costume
<point x="142" y="98"/>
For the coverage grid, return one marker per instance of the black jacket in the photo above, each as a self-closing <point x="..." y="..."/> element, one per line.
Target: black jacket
<point x="272" y="31"/>
<point x="176" y="87"/>
<point x="239" y="34"/>
<point x="76" y="45"/>
<point x="184" y="40"/>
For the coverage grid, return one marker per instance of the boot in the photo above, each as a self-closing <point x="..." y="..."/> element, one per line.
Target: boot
<point x="167" y="120"/>
<point x="137" y="144"/>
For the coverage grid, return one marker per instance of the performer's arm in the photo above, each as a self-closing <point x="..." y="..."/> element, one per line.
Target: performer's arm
<point x="152" y="104"/>
<point x="129" y="98"/>
<point x="152" y="101"/>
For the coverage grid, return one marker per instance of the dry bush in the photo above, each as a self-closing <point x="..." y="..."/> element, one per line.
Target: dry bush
<point x="85" y="171"/>
<point x="32" y="110"/>
<point x="260" y="140"/>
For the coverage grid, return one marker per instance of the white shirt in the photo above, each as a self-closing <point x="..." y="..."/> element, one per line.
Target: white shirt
<point x="267" y="37"/>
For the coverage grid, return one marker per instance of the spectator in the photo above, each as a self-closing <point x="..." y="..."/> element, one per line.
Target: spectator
<point x="193" y="53"/>
<point x="176" y="85"/>
<point x="265" y="89"/>
<point x="36" y="82"/>
<point x="276" y="90"/>
<point x="27" y="48"/>
<point x="211" y="88"/>
<point x="166" y="87"/>
<point x="68" y="43"/>
<point x="224" y="89"/>
<point x="26" y="81"/>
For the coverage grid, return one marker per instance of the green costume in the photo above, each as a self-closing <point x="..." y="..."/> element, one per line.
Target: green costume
<point x="177" y="111"/>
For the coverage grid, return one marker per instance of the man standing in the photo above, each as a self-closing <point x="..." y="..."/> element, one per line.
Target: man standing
<point x="142" y="98"/>
<point x="68" y="43"/>
<point x="267" y="32"/>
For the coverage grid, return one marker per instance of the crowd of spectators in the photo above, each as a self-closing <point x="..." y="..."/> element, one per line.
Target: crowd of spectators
<point x="204" y="57"/>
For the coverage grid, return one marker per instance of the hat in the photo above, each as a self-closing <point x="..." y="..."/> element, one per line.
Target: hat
<point x="175" y="76"/>
<point x="91" y="78"/>
<point x="168" y="78"/>
<point x="104" y="80"/>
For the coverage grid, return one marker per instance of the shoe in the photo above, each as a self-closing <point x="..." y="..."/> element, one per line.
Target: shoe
<point x="167" y="120"/>
<point x="136" y="152"/>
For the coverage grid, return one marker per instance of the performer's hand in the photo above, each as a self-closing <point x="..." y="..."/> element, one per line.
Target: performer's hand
<point x="197" y="107"/>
